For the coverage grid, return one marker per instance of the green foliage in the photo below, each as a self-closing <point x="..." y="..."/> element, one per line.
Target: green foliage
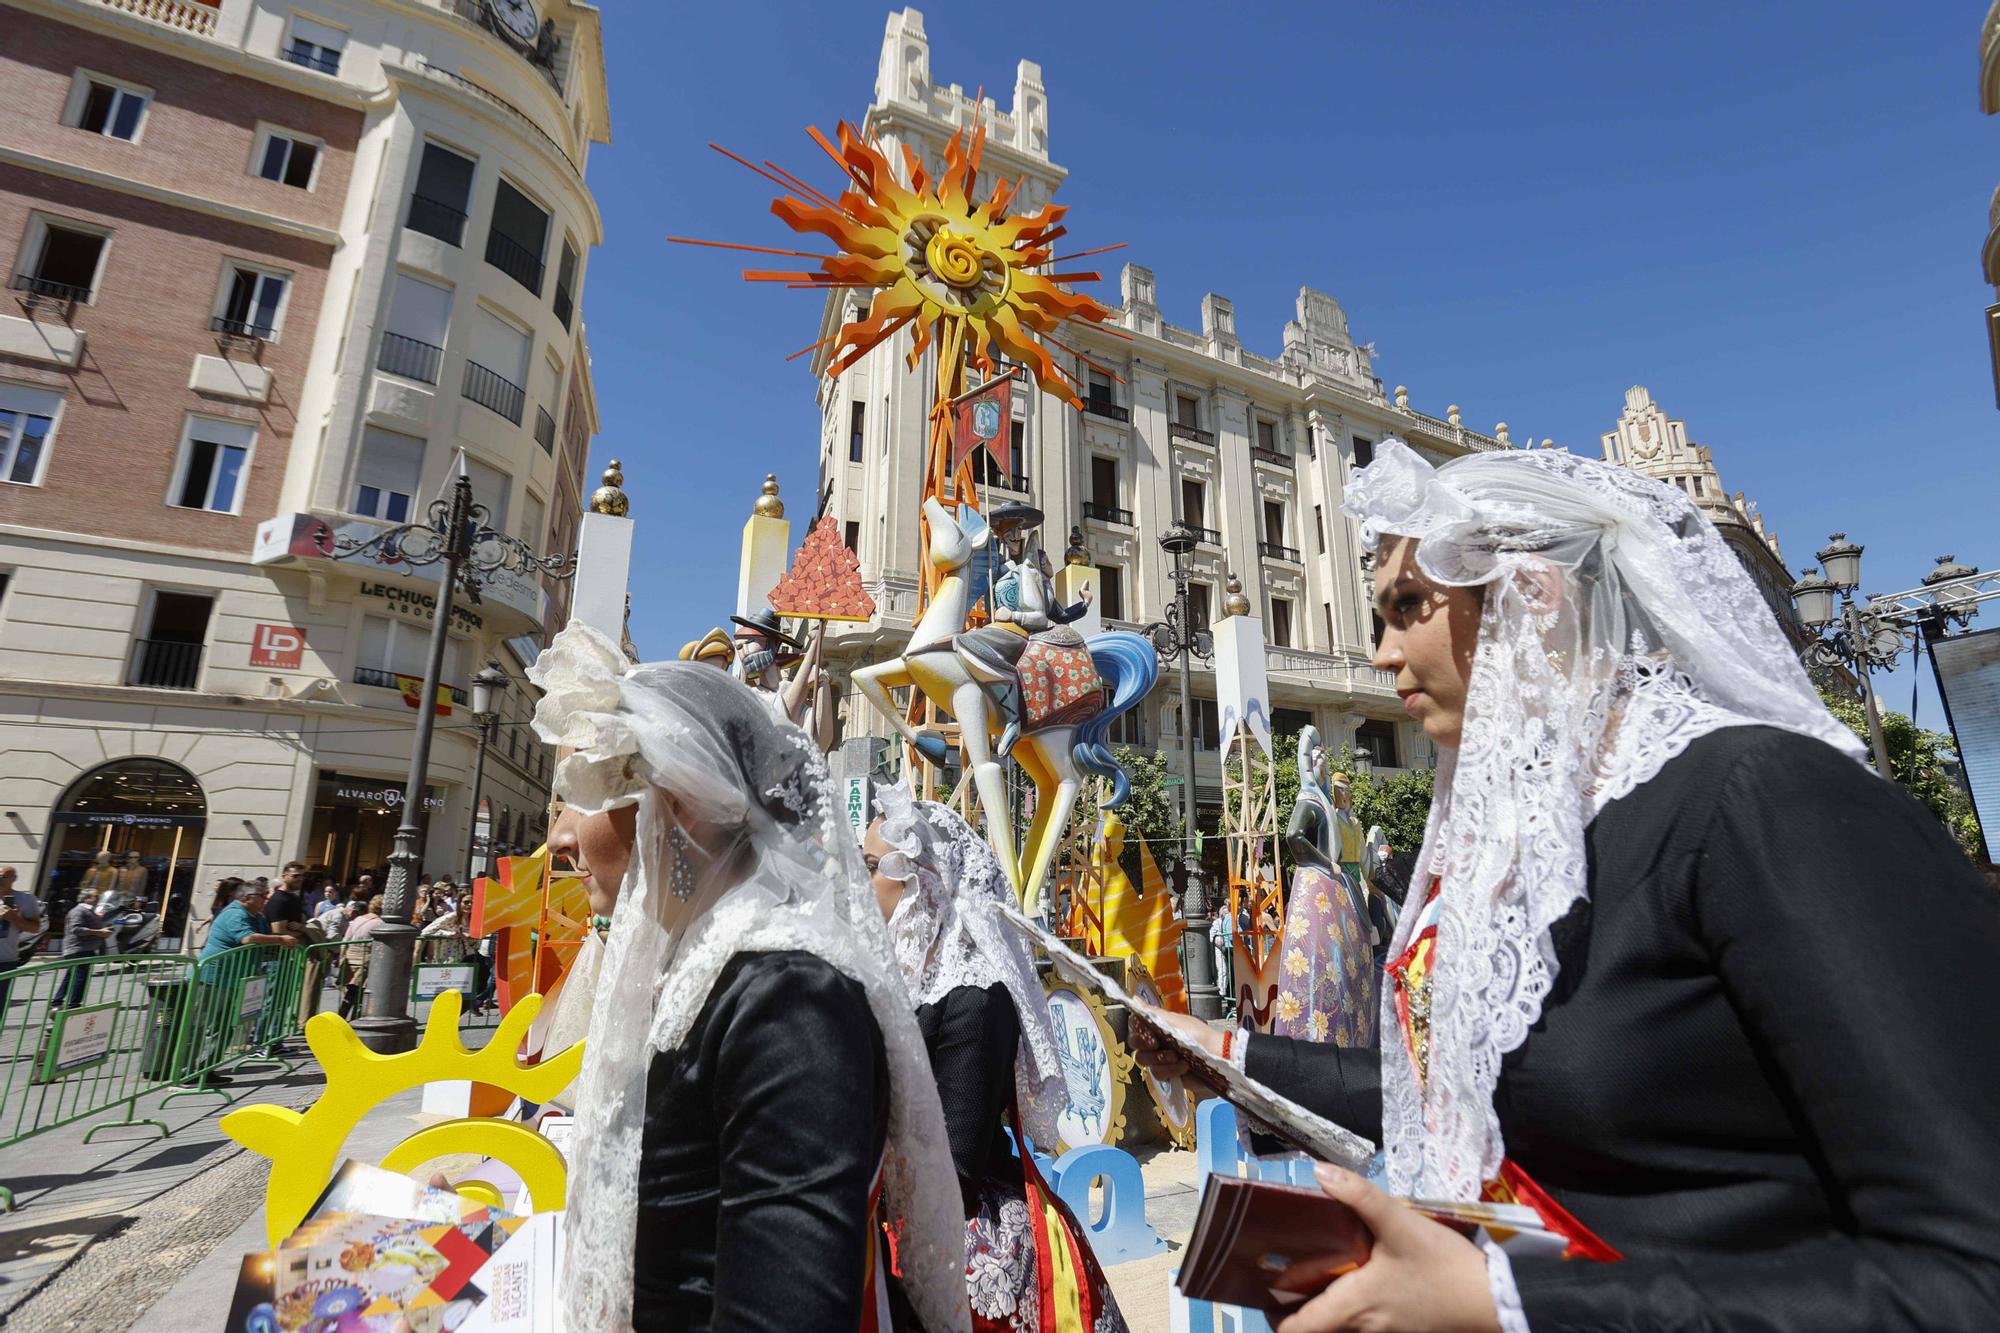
<point x="1400" y="803"/>
<point x="1921" y="761"/>
<point x="1152" y="812"/>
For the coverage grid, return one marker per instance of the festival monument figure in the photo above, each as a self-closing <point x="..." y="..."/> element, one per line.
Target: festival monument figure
<point x="1327" y="988"/>
<point x="1024" y="676"/>
<point x="997" y="1059"/>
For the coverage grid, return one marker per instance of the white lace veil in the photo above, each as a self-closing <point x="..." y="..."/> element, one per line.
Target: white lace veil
<point x="739" y="847"/>
<point x="946" y="935"/>
<point x="1617" y="628"/>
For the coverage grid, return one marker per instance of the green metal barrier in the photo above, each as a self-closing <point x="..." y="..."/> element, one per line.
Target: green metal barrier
<point x="242" y="1002"/>
<point x="81" y="1036"/>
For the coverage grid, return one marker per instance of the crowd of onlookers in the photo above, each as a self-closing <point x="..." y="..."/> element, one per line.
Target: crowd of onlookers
<point x="302" y="908"/>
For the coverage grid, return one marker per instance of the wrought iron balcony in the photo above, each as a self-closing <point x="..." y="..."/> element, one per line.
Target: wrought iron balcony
<point x="1206" y="536"/>
<point x="1271" y="456"/>
<point x="241" y="328"/>
<point x="493" y="391"/>
<point x="165" y="664"/>
<point x="410" y="358"/>
<point x="1279" y="551"/>
<point x="389" y="680"/>
<point x="68" y="293"/>
<point x="433" y="217"/>
<point x="514" y="259"/>
<point x="1104" y="407"/>
<point x="545" y="430"/>
<point x="1181" y="431"/>
<point x="1107" y="513"/>
<point x="323" y="62"/>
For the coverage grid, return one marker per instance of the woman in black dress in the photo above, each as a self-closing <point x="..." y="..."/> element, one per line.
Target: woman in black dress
<point x="755" y="1106"/>
<point x="985" y="1021"/>
<point x="1674" y="969"/>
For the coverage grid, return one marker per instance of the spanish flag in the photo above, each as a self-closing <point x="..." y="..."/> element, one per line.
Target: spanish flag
<point x="413" y="690"/>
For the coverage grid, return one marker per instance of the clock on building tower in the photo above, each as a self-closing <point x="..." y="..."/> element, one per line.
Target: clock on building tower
<point x="519" y="18"/>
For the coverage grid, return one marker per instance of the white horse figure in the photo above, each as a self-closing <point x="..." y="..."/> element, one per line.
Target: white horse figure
<point x="972" y="690"/>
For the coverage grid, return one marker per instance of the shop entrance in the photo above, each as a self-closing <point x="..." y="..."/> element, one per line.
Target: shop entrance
<point x="354" y="825"/>
<point x="132" y="828"/>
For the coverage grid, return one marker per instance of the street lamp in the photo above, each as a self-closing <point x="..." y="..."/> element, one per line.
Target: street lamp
<point x="456" y="536"/>
<point x="1364" y="761"/>
<point x="1178" y="636"/>
<point x="487" y="687"/>
<point x="1852" y="636"/>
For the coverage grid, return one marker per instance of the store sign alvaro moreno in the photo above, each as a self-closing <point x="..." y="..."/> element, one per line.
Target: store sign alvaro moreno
<point x="292" y="537"/>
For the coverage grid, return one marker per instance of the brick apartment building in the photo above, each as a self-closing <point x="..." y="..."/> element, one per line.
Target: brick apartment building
<point x="272" y="271"/>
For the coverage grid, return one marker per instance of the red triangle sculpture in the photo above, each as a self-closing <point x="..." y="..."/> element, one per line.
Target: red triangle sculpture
<point x="824" y="582"/>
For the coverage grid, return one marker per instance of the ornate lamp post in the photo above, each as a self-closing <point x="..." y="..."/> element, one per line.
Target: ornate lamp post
<point x="1850" y="636"/>
<point x="457" y="537"/>
<point x="487" y="687"/>
<point x="1178" y="636"/>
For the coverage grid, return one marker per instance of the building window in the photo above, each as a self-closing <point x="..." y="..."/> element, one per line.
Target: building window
<point x="1198" y="605"/>
<point x="1290" y="722"/>
<point x="857" y="426"/>
<point x="1111" y="592"/>
<point x="534" y="521"/>
<point x="1267" y="435"/>
<point x="1274" y="522"/>
<point x="315" y="45"/>
<point x="518" y="236"/>
<point x="1207" y="725"/>
<point x="63" y="259"/>
<point x="1312" y="444"/>
<point x="110" y="107"/>
<point x="413" y="341"/>
<point x="1375" y="628"/>
<point x="386" y="476"/>
<point x="1326" y="613"/>
<point x="497" y="364"/>
<point x="850" y="533"/>
<point x="1698" y="488"/>
<point x="1319" y="531"/>
<point x="251" y="303"/>
<point x="392" y="647"/>
<point x="1104" y="482"/>
<point x="1017" y="436"/>
<point x="27" y="420"/>
<point x="1364" y="452"/>
<point x="493" y="488"/>
<point x="565" y="303"/>
<point x="1281" y="622"/>
<point x="215" y="459"/>
<point x="167" y="653"/>
<point x="1194" y="503"/>
<point x="286" y="158"/>
<point x="1378" y="739"/>
<point x="443" y="190"/>
<point x="1100" y="390"/>
<point x="1187" y="411"/>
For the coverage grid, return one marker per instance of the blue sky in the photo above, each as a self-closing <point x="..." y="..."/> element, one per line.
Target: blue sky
<point x="1770" y="214"/>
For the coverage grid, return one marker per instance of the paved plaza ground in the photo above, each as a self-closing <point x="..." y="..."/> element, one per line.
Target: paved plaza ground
<point x="144" y="1232"/>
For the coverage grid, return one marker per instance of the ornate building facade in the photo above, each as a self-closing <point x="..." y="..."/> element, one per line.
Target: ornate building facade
<point x="274" y="273"/>
<point x="1647" y="440"/>
<point x="1251" y="451"/>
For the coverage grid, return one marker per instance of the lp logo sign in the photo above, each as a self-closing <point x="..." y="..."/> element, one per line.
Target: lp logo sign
<point x="280" y="646"/>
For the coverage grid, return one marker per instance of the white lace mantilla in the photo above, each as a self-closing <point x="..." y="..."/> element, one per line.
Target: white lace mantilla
<point x="1617" y="628"/>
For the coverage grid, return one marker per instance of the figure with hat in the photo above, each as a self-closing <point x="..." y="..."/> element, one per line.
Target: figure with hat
<point x="1029" y="644"/>
<point x="764" y="650"/>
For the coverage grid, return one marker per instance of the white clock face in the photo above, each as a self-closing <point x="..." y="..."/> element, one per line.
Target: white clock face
<point x="519" y="17"/>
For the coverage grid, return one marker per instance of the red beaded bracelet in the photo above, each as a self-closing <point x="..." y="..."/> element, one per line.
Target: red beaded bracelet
<point x="1228" y="1036"/>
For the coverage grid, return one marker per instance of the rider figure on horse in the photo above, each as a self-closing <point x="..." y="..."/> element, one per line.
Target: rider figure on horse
<point x="1029" y="642"/>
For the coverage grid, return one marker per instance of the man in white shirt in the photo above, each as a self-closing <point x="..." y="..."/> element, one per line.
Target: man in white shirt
<point x="20" y="920"/>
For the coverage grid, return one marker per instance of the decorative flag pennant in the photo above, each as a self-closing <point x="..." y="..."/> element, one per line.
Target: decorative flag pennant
<point x="985" y="417"/>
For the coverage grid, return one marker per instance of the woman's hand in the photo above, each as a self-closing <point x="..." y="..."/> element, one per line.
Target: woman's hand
<point x="1423" y="1277"/>
<point x="1158" y="1054"/>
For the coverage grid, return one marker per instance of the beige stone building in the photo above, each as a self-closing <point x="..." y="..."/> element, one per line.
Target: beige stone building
<point x="273" y="270"/>
<point x="1251" y="450"/>
<point x="1647" y="440"/>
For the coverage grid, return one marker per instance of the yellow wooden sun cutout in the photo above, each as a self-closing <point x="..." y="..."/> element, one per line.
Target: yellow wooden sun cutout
<point x="304" y="1147"/>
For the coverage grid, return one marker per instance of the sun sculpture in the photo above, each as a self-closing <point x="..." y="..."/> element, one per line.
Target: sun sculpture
<point x="974" y="282"/>
<point x="304" y="1147"/>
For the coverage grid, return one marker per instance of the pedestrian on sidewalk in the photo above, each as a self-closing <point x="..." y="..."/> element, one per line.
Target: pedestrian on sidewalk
<point x="84" y="933"/>
<point x="20" y="925"/>
<point x="354" y="958"/>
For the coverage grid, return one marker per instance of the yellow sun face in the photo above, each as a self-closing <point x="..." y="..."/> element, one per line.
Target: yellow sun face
<point x="940" y="262"/>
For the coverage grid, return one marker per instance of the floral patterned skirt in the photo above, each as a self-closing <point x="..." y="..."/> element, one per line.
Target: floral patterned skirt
<point x="1003" y="1271"/>
<point x="1328" y="986"/>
